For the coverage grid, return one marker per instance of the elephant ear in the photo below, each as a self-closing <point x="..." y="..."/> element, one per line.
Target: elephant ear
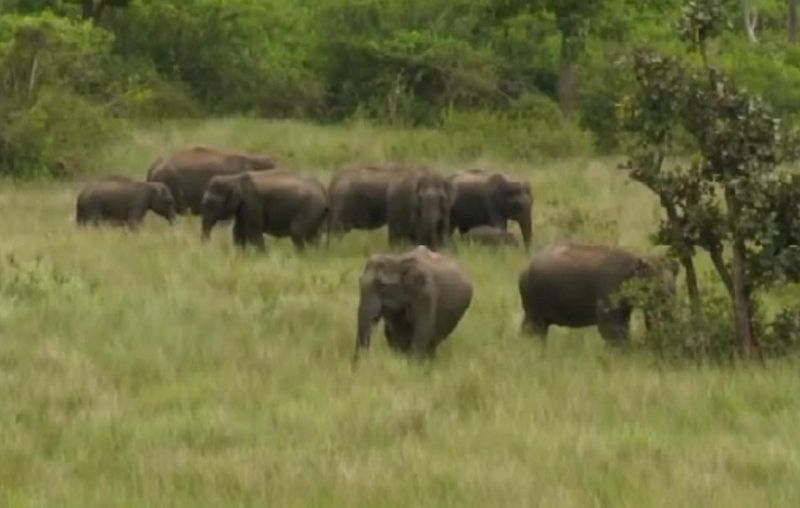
<point x="235" y="193"/>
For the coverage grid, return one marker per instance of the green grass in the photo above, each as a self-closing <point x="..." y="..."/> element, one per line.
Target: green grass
<point x="150" y="370"/>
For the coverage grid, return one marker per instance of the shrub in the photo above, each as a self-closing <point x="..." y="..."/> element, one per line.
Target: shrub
<point x="57" y="135"/>
<point x="533" y="128"/>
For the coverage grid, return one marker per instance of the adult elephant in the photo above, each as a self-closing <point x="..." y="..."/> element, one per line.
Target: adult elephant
<point x="358" y="197"/>
<point x="278" y="203"/>
<point x="420" y="295"/>
<point x="578" y="285"/>
<point x="490" y="199"/>
<point x="121" y="201"/>
<point x="187" y="172"/>
<point x="418" y="208"/>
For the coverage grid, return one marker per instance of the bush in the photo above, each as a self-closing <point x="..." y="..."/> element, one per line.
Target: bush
<point x="533" y="128"/>
<point x="61" y="88"/>
<point x="57" y="135"/>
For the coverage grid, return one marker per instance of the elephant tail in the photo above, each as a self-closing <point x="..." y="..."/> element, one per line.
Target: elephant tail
<point x="328" y="218"/>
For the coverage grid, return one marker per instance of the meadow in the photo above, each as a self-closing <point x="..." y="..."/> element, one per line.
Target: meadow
<point x="148" y="369"/>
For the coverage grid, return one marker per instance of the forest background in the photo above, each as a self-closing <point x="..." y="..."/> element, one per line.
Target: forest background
<point x="532" y="78"/>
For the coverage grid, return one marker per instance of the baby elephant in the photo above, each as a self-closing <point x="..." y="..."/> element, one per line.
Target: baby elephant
<point x="490" y="235"/>
<point x="121" y="201"/>
<point x="421" y="296"/>
<point x="574" y="285"/>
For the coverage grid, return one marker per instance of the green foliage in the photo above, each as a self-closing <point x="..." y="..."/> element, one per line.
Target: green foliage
<point x="731" y="201"/>
<point x="395" y="62"/>
<point x="533" y="129"/>
<point x="50" y="67"/>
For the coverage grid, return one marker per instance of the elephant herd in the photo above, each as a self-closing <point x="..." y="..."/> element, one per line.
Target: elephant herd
<point x="421" y="295"/>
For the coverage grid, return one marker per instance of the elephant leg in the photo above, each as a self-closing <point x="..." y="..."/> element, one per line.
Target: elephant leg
<point x="239" y="233"/>
<point x="398" y="336"/>
<point x="303" y="230"/>
<point x="614" y="324"/>
<point x="338" y="223"/>
<point x="534" y="327"/>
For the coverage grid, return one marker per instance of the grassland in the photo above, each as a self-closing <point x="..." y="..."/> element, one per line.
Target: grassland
<point x="149" y="370"/>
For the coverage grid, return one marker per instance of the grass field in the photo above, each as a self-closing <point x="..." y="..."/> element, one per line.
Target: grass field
<point x="149" y="370"/>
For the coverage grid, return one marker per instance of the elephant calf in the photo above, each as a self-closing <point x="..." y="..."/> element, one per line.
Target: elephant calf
<point x="577" y="285"/>
<point x="488" y="235"/>
<point x="421" y="296"/>
<point x="121" y="201"/>
<point x="276" y="202"/>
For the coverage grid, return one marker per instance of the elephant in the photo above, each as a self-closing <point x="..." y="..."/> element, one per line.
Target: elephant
<point x="488" y="235"/>
<point x="418" y="208"/>
<point x="358" y="197"/>
<point x="421" y="296"/>
<point x="490" y="199"/>
<point x="121" y="201"/>
<point x="577" y="285"/>
<point x="187" y="172"/>
<point x="276" y="202"/>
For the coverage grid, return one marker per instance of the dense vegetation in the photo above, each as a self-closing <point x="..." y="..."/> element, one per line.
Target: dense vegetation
<point x="541" y="77"/>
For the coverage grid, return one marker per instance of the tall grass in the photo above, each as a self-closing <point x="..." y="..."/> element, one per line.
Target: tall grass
<point x="149" y="370"/>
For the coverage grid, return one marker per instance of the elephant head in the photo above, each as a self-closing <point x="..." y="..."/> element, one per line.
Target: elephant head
<point x="662" y="271"/>
<point x="513" y="199"/>
<point x="221" y="200"/>
<point x="161" y="201"/>
<point x="388" y="285"/>
<point x="432" y="202"/>
<point x="659" y="274"/>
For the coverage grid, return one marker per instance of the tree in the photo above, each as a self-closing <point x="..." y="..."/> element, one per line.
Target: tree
<point x="792" y="8"/>
<point x="573" y="19"/>
<point x="732" y="201"/>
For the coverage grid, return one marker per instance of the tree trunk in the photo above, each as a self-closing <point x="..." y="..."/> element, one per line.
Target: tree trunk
<point x="750" y="15"/>
<point x="722" y="270"/>
<point x="743" y="303"/>
<point x="692" y="286"/>
<point x="792" y="20"/>
<point x="567" y="76"/>
<point x="742" y="292"/>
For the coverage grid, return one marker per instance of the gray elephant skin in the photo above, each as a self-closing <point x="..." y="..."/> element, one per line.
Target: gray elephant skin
<point x="483" y="198"/>
<point x="492" y="236"/>
<point x="420" y="295"/>
<point x="418" y="209"/>
<point x="576" y="285"/>
<point x="122" y="201"/>
<point x="358" y="197"/>
<point x="277" y="203"/>
<point x="187" y="172"/>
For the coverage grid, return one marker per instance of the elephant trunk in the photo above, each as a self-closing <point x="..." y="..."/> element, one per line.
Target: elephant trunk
<point x="524" y="221"/>
<point x="208" y="225"/>
<point x="369" y="312"/>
